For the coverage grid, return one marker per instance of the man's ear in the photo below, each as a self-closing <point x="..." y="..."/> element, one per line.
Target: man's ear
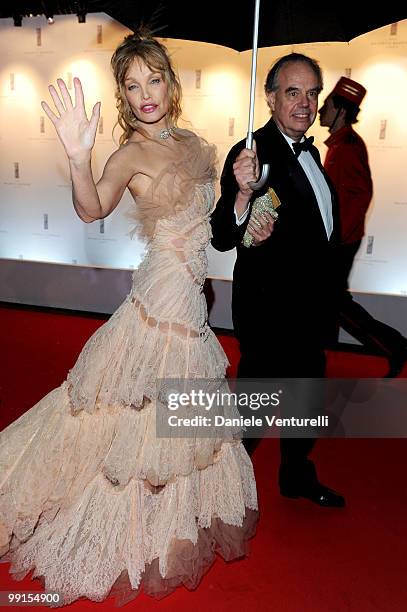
<point x="271" y="100"/>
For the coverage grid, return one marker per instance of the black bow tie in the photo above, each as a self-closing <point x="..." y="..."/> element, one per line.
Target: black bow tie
<point x="305" y="145"/>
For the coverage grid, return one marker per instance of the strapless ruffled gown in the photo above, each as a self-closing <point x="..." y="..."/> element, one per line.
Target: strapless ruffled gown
<point x="90" y="498"/>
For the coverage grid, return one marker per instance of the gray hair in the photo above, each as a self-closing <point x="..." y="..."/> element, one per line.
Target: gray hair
<point x="271" y="83"/>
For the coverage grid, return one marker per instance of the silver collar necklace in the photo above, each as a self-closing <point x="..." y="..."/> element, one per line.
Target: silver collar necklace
<point x="166" y="133"/>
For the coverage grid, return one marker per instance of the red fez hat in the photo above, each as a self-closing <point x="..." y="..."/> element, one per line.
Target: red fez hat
<point x="351" y="90"/>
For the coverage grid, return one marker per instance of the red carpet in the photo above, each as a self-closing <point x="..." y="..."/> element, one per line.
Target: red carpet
<point x="303" y="558"/>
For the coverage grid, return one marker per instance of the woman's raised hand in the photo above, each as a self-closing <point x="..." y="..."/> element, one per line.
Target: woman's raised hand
<point x="75" y="131"/>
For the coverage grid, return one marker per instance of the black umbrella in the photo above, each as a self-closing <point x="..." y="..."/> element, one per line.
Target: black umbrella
<point x="243" y="26"/>
<point x="230" y="22"/>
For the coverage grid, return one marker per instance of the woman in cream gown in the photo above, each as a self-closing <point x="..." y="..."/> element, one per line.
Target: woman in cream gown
<point x="91" y="498"/>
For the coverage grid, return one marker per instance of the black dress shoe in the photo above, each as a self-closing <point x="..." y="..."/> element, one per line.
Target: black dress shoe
<point x="397" y="361"/>
<point x="300" y="480"/>
<point x="319" y="494"/>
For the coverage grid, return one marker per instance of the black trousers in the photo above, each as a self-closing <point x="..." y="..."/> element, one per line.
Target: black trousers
<point x="354" y="319"/>
<point x="293" y="360"/>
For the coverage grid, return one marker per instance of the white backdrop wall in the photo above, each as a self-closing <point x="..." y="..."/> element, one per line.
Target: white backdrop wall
<point x="37" y="221"/>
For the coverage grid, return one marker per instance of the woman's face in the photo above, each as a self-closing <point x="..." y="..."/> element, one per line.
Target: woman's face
<point x="146" y="92"/>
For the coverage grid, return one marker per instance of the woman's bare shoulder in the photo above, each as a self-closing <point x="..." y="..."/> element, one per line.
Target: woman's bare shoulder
<point x="134" y="146"/>
<point x="132" y="155"/>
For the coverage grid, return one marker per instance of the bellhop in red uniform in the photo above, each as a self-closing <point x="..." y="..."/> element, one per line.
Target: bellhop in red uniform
<point x="347" y="165"/>
<point x="347" y="161"/>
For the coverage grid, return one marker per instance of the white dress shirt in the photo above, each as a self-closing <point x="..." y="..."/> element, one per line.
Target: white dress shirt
<point x="318" y="184"/>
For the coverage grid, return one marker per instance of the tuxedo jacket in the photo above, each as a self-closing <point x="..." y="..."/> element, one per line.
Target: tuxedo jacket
<point x="288" y="283"/>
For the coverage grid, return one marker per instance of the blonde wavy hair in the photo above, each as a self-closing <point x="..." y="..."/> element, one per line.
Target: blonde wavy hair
<point x="142" y="45"/>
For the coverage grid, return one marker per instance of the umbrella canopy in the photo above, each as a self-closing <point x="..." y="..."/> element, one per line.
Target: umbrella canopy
<point x="229" y="22"/>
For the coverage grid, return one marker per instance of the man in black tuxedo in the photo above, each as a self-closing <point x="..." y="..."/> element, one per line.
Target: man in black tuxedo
<point x="284" y="289"/>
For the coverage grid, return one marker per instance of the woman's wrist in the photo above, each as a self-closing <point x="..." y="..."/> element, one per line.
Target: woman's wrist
<point x="80" y="162"/>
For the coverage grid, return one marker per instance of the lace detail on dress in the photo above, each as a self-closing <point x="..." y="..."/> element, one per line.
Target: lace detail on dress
<point x="97" y="531"/>
<point x="90" y="497"/>
<point x="173" y="189"/>
<point x="161" y="328"/>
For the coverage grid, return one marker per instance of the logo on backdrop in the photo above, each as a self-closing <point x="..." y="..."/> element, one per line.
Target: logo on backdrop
<point x="231" y="130"/>
<point x="389" y="37"/>
<point x="38" y="33"/>
<point x="369" y="246"/>
<point x="15" y="169"/>
<point x="383" y="127"/>
<point x="393" y="29"/>
<point x="198" y="75"/>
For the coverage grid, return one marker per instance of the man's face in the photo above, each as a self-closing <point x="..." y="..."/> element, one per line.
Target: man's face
<point x="327" y="112"/>
<point x="294" y="104"/>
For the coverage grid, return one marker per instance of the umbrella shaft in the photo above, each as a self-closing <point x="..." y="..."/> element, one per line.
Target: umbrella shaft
<point x="249" y="139"/>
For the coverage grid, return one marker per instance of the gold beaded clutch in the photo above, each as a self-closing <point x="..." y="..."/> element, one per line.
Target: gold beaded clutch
<point x="268" y="202"/>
